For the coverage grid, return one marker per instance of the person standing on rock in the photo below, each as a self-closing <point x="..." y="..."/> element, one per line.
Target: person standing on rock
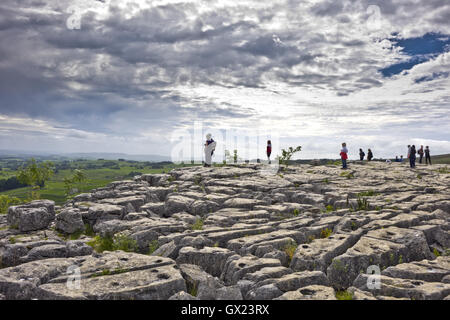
<point x="210" y="146"/>
<point x="427" y="155"/>
<point x="412" y="157"/>
<point x="269" y="150"/>
<point x="369" y="155"/>
<point x="361" y="154"/>
<point x="344" y="156"/>
<point x="420" y="153"/>
<point x="409" y="151"/>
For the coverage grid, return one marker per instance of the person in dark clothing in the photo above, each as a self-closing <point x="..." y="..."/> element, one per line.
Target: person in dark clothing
<point x="412" y="157"/>
<point x="269" y="150"/>
<point x="361" y="154"/>
<point x="427" y="155"/>
<point x="369" y="155"/>
<point x="420" y="153"/>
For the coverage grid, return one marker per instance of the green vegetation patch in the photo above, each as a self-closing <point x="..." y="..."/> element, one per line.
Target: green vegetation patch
<point x="110" y="243"/>
<point x="344" y="295"/>
<point x="198" y="225"/>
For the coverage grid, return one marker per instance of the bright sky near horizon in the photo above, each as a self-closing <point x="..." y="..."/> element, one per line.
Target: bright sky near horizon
<point x="123" y="76"/>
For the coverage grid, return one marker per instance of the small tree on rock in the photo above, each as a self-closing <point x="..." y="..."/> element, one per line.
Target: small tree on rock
<point x="286" y="155"/>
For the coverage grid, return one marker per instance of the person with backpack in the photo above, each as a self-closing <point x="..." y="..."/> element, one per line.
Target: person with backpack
<point x="427" y="155"/>
<point x="361" y="154"/>
<point x="420" y="153"/>
<point x="344" y="156"/>
<point x="269" y="150"/>
<point x="369" y="155"/>
<point x="412" y="157"/>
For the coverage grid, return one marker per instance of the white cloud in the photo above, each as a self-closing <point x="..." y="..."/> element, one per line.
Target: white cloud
<point x="138" y="69"/>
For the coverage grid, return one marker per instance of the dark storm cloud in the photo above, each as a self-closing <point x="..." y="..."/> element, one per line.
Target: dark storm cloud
<point x="121" y="73"/>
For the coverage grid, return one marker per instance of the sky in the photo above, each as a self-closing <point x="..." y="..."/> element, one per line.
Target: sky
<point x="141" y="77"/>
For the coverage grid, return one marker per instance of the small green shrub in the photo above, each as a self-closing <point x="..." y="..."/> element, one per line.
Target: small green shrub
<point x="325" y="233"/>
<point x="88" y="230"/>
<point x="153" y="246"/>
<point x="109" y="243"/>
<point x="193" y="290"/>
<point x="344" y="295"/>
<point x="329" y="208"/>
<point x="198" y="225"/>
<point x="289" y="249"/>
<point x="361" y="204"/>
<point x="125" y="243"/>
<point x="369" y="193"/>
<point x="436" y="252"/>
<point x="296" y="212"/>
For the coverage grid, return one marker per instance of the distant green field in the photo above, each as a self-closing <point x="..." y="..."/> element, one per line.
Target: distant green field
<point x="96" y="178"/>
<point x="441" y="159"/>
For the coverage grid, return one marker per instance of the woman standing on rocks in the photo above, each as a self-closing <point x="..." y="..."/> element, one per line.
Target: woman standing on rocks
<point x="269" y="150"/>
<point x="344" y="156"/>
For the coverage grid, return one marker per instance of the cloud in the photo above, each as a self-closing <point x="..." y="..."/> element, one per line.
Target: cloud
<point x="140" y="69"/>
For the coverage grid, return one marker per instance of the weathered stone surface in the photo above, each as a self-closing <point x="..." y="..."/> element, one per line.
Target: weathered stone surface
<point x="113" y="275"/>
<point x="314" y="292"/>
<point x="35" y="215"/>
<point x="239" y="232"/>
<point x="104" y="212"/>
<point x="382" y="247"/>
<point x="267" y="273"/>
<point x="318" y="254"/>
<point x="236" y="269"/>
<point x="426" y="270"/>
<point x="266" y="292"/>
<point x="183" y="296"/>
<point x="403" y="288"/>
<point x="210" y="259"/>
<point x="69" y="221"/>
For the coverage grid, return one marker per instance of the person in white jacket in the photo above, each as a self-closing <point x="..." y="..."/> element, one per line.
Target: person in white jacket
<point x="210" y="146"/>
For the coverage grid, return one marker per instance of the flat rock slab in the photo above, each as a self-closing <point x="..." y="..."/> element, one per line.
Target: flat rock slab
<point x="381" y="248"/>
<point x="314" y="292"/>
<point x="112" y="275"/>
<point x="210" y="259"/>
<point x="237" y="267"/>
<point x="318" y="254"/>
<point x="404" y="288"/>
<point x="426" y="270"/>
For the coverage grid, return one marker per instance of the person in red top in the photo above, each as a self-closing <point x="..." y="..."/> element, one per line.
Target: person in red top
<point x="269" y="150"/>
<point x="344" y="156"/>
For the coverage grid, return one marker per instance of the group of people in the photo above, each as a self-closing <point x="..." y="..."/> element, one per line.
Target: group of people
<point x="411" y="155"/>
<point x="210" y="146"/>
<point x="421" y="152"/>
<point x="362" y="154"/>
